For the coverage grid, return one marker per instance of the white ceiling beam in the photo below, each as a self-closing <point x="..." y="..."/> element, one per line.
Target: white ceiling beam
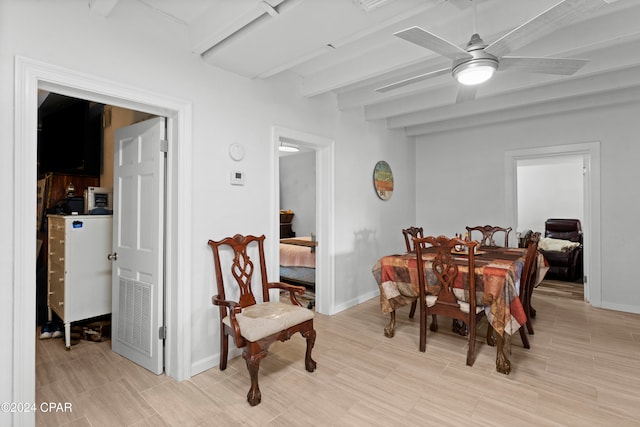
<point x="371" y="65"/>
<point x="102" y="7"/>
<point x="215" y="26"/>
<point x="601" y="82"/>
<point x="530" y="110"/>
<point x="365" y="94"/>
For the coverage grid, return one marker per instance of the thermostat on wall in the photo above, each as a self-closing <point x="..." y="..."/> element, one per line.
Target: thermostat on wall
<point x="236" y="152"/>
<point x="237" y="178"/>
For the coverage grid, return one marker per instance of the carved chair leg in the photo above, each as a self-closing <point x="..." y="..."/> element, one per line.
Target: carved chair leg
<point x="526" y="304"/>
<point x="423" y="327"/>
<point x="523" y="336"/>
<point x="309" y="363"/>
<point x="529" y="325"/>
<point x="252" y="355"/>
<point x="390" y="329"/>
<point x="503" y="365"/>
<point x="459" y="327"/>
<point x="412" y="312"/>
<point x="529" y="312"/>
<point x="224" y="348"/>
<point x="491" y="339"/>
<point x="434" y="323"/>
<point x="471" y="352"/>
<point x="471" y="331"/>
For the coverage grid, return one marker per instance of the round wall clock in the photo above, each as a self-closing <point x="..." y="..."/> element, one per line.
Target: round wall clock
<point x="383" y="180"/>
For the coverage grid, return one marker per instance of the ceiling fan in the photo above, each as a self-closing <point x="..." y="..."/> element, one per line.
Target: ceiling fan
<point x="479" y="61"/>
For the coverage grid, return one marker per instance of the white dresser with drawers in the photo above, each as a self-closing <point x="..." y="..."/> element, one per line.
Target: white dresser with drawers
<point x="79" y="277"/>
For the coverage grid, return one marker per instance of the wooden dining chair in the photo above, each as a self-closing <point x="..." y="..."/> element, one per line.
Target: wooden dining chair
<point x="523" y="240"/>
<point x="409" y="234"/>
<point x="443" y="287"/>
<point x="255" y="325"/>
<point x="528" y="280"/>
<point x="488" y="232"/>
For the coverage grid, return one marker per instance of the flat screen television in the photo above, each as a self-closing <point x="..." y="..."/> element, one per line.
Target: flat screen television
<point x="70" y="136"/>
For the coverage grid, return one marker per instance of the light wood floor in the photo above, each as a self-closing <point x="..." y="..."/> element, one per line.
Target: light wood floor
<point x="583" y="369"/>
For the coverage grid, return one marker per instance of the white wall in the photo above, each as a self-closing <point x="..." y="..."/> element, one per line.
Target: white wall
<point x="298" y="190"/>
<point x="550" y="187"/>
<point x="152" y="54"/>
<point x="476" y="192"/>
<point x="367" y="227"/>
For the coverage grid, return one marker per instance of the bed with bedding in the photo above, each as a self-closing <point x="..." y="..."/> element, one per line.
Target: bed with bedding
<point x="298" y="261"/>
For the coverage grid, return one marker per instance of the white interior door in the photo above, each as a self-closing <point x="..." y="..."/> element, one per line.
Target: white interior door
<point x="138" y="250"/>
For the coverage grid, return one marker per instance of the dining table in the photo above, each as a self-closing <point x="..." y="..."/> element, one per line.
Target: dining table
<point x="497" y="270"/>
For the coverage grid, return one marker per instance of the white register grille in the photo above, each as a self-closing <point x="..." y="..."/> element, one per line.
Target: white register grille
<point x="134" y="319"/>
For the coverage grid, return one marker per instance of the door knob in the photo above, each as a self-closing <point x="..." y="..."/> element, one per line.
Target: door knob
<point x="113" y="256"/>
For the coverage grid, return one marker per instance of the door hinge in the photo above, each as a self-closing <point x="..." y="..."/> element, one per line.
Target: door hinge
<point x="584" y="279"/>
<point x="164" y="146"/>
<point x="162" y="333"/>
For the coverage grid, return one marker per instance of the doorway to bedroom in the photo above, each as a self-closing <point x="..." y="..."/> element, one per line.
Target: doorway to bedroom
<point x="303" y="199"/>
<point x="298" y="217"/>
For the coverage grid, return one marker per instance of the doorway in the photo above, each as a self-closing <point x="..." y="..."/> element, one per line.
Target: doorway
<point x="324" y="210"/>
<point x="30" y="76"/>
<point x="298" y="217"/>
<point x="589" y="153"/>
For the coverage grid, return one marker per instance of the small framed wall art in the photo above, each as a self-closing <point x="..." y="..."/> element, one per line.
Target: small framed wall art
<point x="383" y="180"/>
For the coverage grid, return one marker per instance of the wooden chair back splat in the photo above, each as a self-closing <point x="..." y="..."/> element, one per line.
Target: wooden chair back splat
<point x="488" y="232"/>
<point x="409" y="234"/>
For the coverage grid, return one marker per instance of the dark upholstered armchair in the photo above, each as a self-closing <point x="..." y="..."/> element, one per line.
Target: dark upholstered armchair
<point x="565" y="264"/>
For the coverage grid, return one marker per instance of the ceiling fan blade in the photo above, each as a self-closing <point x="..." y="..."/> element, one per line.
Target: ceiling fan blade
<point x="557" y="16"/>
<point x="466" y="93"/>
<point x="561" y="66"/>
<point x="413" y="79"/>
<point x="432" y="42"/>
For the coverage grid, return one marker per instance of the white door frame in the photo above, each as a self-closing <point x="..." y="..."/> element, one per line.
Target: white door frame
<point x="591" y="226"/>
<point x="325" y="212"/>
<point x="31" y="75"/>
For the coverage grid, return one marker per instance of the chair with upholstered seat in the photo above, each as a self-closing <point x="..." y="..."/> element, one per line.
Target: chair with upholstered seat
<point x="527" y="282"/>
<point x="523" y="239"/>
<point x="255" y="325"/>
<point x="438" y="296"/>
<point x="488" y="232"/>
<point x="409" y="234"/>
<point x="531" y="275"/>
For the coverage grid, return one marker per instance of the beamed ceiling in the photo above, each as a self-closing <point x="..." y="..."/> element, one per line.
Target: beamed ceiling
<point x="347" y="48"/>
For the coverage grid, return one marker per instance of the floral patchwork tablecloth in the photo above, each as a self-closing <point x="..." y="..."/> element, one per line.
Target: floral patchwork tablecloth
<point x="497" y="273"/>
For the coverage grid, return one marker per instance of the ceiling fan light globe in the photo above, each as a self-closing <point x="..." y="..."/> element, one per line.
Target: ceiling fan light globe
<point x="474" y="72"/>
